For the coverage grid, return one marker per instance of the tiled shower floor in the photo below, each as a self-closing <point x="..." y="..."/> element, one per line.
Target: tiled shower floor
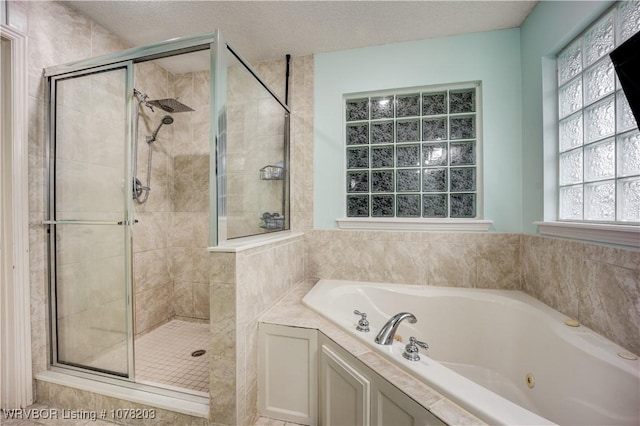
<point x="163" y="356"/>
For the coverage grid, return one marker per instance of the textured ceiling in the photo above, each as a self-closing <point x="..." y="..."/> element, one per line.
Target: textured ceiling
<point x="261" y="30"/>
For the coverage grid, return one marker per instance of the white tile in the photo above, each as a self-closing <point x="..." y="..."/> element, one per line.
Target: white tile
<point x="164" y="355"/>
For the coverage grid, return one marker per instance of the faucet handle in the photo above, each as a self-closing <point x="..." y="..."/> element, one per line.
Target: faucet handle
<point x="423" y="345"/>
<point x="411" y="351"/>
<point x="363" y="324"/>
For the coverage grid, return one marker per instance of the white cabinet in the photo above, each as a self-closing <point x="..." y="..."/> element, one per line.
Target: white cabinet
<point x="351" y="393"/>
<point x="389" y="406"/>
<point x="344" y="392"/>
<point x="287" y="373"/>
<point x="306" y="378"/>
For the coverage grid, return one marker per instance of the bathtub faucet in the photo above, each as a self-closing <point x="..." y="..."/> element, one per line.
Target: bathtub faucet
<point x="388" y="331"/>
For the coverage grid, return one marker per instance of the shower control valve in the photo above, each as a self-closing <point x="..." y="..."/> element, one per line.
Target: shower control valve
<point x="411" y="351"/>
<point x="363" y="324"/>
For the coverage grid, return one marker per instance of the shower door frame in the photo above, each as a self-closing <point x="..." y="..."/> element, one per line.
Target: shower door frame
<point x="52" y="221"/>
<point x="208" y="41"/>
<point x="219" y="235"/>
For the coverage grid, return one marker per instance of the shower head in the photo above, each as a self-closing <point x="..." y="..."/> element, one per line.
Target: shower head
<point x="167" y="119"/>
<point x="170" y="105"/>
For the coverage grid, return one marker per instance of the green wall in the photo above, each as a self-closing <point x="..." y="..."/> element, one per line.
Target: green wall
<point x="516" y="69"/>
<point x="490" y="57"/>
<point x="547" y="29"/>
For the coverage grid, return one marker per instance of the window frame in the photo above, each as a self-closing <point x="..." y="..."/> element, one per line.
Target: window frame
<point x="476" y="223"/>
<point x="617" y="233"/>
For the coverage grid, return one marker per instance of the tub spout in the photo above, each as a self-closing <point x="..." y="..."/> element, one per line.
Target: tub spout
<point x="388" y="331"/>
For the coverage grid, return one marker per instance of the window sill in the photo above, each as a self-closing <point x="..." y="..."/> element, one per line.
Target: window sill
<point x="417" y="224"/>
<point x="245" y="243"/>
<point x="625" y="235"/>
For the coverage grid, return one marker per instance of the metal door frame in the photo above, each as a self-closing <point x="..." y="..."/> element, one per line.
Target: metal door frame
<point x="51" y="221"/>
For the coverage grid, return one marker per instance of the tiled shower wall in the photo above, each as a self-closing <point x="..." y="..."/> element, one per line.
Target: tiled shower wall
<point x="301" y="144"/>
<point x="153" y="284"/>
<point x="255" y="139"/>
<point x="189" y="191"/>
<point x="171" y="237"/>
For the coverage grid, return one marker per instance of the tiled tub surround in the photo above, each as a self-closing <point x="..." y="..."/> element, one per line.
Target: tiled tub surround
<point x="595" y="284"/>
<point x="290" y="312"/>
<point x="484" y="342"/>
<point x="485" y="260"/>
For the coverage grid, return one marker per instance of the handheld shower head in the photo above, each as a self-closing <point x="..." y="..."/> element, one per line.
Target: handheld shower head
<point x="167" y="119"/>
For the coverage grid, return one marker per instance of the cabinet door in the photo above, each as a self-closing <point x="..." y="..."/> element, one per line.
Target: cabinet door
<point x="287" y="373"/>
<point x="344" y="392"/>
<point x="390" y="406"/>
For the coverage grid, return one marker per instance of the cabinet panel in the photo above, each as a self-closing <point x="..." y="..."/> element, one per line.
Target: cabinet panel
<point x="301" y="384"/>
<point x="390" y="413"/>
<point x="287" y="373"/>
<point x="345" y="393"/>
<point x="390" y="406"/>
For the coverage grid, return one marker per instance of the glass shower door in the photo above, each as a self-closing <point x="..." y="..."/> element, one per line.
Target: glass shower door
<point x="90" y="219"/>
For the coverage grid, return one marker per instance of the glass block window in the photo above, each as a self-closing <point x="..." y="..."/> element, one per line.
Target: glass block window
<point x="413" y="154"/>
<point x="599" y="141"/>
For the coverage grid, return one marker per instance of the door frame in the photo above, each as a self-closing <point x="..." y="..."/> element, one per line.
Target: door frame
<point x="15" y="295"/>
<point x="127" y="220"/>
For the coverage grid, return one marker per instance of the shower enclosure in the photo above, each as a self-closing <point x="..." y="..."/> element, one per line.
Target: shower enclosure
<point x="154" y="154"/>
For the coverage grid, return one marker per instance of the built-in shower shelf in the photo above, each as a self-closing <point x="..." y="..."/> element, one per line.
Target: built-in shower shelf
<point x="272" y="221"/>
<point x="272" y="173"/>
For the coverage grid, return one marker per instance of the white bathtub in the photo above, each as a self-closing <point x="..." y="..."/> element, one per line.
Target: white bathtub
<point x="484" y="343"/>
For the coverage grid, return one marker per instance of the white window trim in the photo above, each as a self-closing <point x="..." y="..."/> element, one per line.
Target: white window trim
<point x="624" y="235"/>
<point x="414" y="224"/>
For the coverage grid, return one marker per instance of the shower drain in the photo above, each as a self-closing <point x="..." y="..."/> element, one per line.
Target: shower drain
<point x="199" y="352"/>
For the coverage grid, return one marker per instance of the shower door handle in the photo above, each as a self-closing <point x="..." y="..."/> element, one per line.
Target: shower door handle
<point x="78" y="222"/>
<point x="126" y="222"/>
<point x="84" y="222"/>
